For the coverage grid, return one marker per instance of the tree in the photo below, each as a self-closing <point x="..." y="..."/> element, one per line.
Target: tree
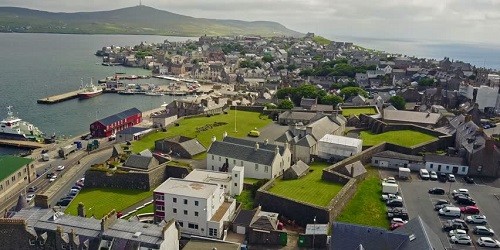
<point x="330" y="99"/>
<point x="426" y="82"/>
<point x="291" y="67"/>
<point x="267" y="58"/>
<point x="398" y="102"/>
<point x="285" y="104"/>
<point x="284" y="93"/>
<point x="349" y="92"/>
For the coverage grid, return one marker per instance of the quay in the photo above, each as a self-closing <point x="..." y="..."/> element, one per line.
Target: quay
<point x="21" y="144"/>
<point x="59" y="98"/>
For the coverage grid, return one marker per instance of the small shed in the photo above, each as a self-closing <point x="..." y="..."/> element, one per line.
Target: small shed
<point x="163" y="119"/>
<point x="297" y="170"/>
<point x="131" y="134"/>
<point x="353" y="170"/>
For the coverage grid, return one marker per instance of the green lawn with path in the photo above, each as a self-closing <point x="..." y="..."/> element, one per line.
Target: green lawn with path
<point x="366" y="207"/>
<point x="246" y="200"/>
<point x="406" y="138"/>
<point x="147" y="209"/>
<point x="350" y="111"/>
<point x="207" y="127"/>
<point x="100" y="201"/>
<point x="309" y="188"/>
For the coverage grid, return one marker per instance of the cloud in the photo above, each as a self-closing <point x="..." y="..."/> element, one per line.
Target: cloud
<point x="465" y="20"/>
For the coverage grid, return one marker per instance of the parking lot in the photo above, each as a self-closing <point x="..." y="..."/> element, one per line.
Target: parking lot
<point x="419" y="203"/>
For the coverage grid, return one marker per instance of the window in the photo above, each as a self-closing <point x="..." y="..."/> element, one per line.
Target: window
<point x="196" y="214"/>
<point x="266" y="169"/>
<point x="196" y="203"/>
<point x="160" y="208"/>
<point x="376" y="161"/>
<point x="235" y="184"/>
<point x="181" y="223"/>
<point x="24" y="170"/>
<point x="235" y="175"/>
<point x="174" y="200"/>
<point x="13" y="178"/>
<point x="192" y="226"/>
<point x="185" y="212"/>
<point x="241" y="163"/>
<point x="212" y="232"/>
<point x="213" y="157"/>
<point x="256" y="167"/>
<point x="234" y="161"/>
<point x="464" y="169"/>
<point x="185" y="202"/>
<point x="220" y="159"/>
<point x="32" y="242"/>
<point x="160" y="197"/>
<point x="432" y="165"/>
<point x="174" y="210"/>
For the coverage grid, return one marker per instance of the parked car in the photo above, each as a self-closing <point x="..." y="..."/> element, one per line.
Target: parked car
<point x="461" y="239"/>
<point x="442" y="201"/>
<point x="29" y="197"/>
<point x="398" y="212"/>
<point x="53" y="178"/>
<point x="451" y="178"/>
<point x="76" y="187"/>
<point x="457" y="232"/>
<point x="32" y="189"/>
<point x="459" y="191"/>
<point x="482" y="230"/>
<point x="60" y="168"/>
<point x="469" y="180"/>
<point x="469" y="210"/>
<point x="433" y="175"/>
<point x="396" y="225"/>
<point x="476" y="219"/>
<point x="63" y="202"/>
<point x="398" y="220"/>
<point x="451" y="225"/>
<point x="436" y="190"/>
<point x="438" y="207"/>
<point x="488" y="242"/>
<point x="389" y="180"/>
<point x="49" y="175"/>
<point x="395" y="203"/>
<point x="442" y="177"/>
<point x="467" y="201"/>
<point x="386" y="197"/>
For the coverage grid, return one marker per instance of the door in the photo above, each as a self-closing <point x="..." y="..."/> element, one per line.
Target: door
<point x="439" y="168"/>
<point x="455" y="170"/>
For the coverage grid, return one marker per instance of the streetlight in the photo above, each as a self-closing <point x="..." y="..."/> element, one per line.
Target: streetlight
<point x="314" y="230"/>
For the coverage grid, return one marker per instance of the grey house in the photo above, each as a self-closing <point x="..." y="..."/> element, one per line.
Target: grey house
<point x="296" y="170"/>
<point x="394" y="160"/>
<point x="180" y="146"/>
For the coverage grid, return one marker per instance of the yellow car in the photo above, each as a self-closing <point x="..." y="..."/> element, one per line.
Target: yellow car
<point x="254" y="133"/>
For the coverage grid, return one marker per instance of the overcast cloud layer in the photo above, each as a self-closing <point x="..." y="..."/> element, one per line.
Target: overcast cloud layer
<point x="451" y="20"/>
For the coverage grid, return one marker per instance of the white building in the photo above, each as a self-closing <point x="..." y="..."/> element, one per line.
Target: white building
<point x="232" y="182"/>
<point x="260" y="160"/>
<point x="446" y="164"/>
<point x="487" y="97"/>
<point x="338" y="147"/>
<point x="200" y="208"/>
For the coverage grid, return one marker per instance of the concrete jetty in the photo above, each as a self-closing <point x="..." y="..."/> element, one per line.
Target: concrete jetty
<point x="21" y="144"/>
<point x="59" y="98"/>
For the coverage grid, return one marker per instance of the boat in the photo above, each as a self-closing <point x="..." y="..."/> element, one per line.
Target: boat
<point x="126" y="92"/>
<point x="131" y="77"/>
<point x="154" y="93"/>
<point x="14" y="128"/>
<point x="89" y="91"/>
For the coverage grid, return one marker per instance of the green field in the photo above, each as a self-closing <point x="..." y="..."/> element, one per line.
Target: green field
<point x="9" y="164"/>
<point x="310" y="188"/>
<point x="245" y="121"/>
<point x="406" y="138"/>
<point x="246" y="200"/>
<point x="350" y="111"/>
<point x="365" y="207"/>
<point x="100" y="201"/>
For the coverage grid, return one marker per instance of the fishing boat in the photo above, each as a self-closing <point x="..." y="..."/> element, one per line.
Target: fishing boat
<point x="154" y="93"/>
<point x="14" y="128"/>
<point x="89" y="91"/>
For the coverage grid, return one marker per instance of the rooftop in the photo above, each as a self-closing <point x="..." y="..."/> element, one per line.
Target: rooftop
<point x="207" y="176"/>
<point x="133" y="130"/>
<point x="445" y="159"/>
<point x="221" y="211"/>
<point x="118" y="117"/>
<point x="353" y="142"/>
<point x="187" y="188"/>
<point x="411" y="116"/>
<point x="10" y="164"/>
<point x="396" y="155"/>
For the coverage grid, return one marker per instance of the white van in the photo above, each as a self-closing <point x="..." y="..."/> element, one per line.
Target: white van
<point x="450" y="211"/>
<point x="424" y="174"/>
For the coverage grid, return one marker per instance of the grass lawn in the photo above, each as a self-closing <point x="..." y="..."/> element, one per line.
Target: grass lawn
<point x="321" y="40"/>
<point x="347" y="112"/>
<point x="365" y="207"/>
<point x="310" y="188"/>
<point x="100" y="201"/>
<point x="250" y="180"/>
<point x="246" y="200"/>
<point x="245" y="121"/>
<point x="147" y="209"/>
<point x="406" y="138"/>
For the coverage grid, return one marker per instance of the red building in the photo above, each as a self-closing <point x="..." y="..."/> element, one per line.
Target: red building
<point x="117" y="122"/>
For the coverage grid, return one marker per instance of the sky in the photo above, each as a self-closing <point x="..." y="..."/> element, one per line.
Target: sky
<point x="476" y="21"/>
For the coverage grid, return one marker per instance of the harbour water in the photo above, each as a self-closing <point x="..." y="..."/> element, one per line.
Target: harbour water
<point x="39" y="65"/>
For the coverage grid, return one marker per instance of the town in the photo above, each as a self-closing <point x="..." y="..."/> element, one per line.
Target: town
<point x="275" y="143"/>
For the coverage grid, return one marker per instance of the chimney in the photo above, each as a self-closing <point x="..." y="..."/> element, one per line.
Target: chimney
<point x="277" y="150"/>
<point x="224" y="135"/>
<point x="214" y="138"/>
<point x="81" y="209"/>
<point x="108" y="220"/>
<point x="256" y="146"/>
<point x="266" y="141"/>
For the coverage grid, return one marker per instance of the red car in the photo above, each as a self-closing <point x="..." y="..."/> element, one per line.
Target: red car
<point x="396" y="225"/>
<point x="469" y="210"/>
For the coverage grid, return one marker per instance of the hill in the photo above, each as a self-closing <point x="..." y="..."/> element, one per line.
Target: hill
<point x="137" y="20"/>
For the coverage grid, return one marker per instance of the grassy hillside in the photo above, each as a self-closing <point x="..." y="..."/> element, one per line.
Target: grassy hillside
<point x="139" y="20"/>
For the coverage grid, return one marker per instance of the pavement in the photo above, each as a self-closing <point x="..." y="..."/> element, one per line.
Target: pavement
<point x="419" y="203"/>
<point x="271" y="132"/>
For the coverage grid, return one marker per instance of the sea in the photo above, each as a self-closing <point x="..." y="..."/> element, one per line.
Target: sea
<point x="34" y="66"/>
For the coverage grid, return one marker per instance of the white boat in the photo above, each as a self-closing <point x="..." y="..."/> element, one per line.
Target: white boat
<point x="153" y="93"/>
<point x="15" y="128"/>
<point x="89" y="91"/>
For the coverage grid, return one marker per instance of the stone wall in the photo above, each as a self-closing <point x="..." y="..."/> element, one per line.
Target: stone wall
<point x="262" y="237"/>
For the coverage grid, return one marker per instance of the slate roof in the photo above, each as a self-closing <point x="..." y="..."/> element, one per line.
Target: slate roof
<point x="423" y="237"/>
<point x="141" y="162"/>
<point x="307" y="141"/>
<point x="268" y="146"/>
<point x="242" y="152"/>
<point x="132" y="130"/>
<point x="445" y="159"/>
<point x="265" y="220"/>
<point x="299" y="168"/>
<point x="400" y="156"/>
<point x="307" y="102"/>
<point x="305" y="116"/>
<point x="244" y="217"/>
<point x="118" y="117"/>
<point x="353" y="170"/>
<point x="350" y="236"/>
<point x="193" y="147"/>
<point x="411" y="116"/>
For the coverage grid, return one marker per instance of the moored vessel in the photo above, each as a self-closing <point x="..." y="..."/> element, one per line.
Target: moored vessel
<point x="14" y="128"/>
<point x="89" y="91"/>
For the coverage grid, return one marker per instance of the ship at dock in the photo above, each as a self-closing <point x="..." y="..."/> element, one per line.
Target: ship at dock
<point x="89" y="91"/>
<point x="14" y="128"/>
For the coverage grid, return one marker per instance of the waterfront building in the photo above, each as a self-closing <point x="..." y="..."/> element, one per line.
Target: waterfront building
<point x="15" y="174"/>
<point x="112" y="124"/>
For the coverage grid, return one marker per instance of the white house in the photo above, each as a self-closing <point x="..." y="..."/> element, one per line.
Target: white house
<point x="487" y="97"/>
<point x="338" y="147"/>
<point x="200" y="208"/>
<point x="260" y="160"/>
<point x="446" y="164"/>
<point x="232" y="182"/>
